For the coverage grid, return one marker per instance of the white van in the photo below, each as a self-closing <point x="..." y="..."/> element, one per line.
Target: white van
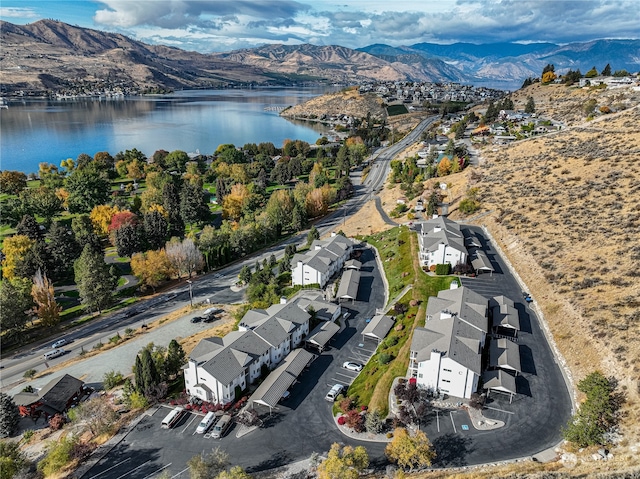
<point x="53" y="354"/>
<point x="334" y="392"/>
<point x="206" y="423"/>
<point x="221" y="427"/>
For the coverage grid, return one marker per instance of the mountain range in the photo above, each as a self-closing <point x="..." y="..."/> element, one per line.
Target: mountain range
<point x="51" y="56"/>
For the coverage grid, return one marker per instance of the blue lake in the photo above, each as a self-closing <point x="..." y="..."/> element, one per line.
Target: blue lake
<point x="35" y="131"/>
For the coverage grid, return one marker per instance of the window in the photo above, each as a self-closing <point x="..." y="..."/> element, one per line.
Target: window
<point x="420" y="375"/>
<point x="447" y="370"/>
<point x="446" y="381"/>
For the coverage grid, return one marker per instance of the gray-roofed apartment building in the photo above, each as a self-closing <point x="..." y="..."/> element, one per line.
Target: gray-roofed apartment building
<point x="441" y="242"/>
<point x="324" y="259"/>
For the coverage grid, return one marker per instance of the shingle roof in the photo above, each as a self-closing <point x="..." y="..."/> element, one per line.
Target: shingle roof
<point x="349" y="284"/>
<point x="323" y="333"/>
<point x="449" y="234"/>
<point x="55" y="394"/>
<point x="464" y="303"/>
<point x="500" y="381"/>
<point x="281" y="378"/>
<point x="206" y="348"/>
<point x="479" y="260"/>
<point x="379" y="326"/>
<point x="227" y="365"/>
<point x="274" y="331"/>
<point x="504" y="354"/>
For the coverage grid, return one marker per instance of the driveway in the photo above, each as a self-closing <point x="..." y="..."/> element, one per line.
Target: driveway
<point x="301" y="425"/>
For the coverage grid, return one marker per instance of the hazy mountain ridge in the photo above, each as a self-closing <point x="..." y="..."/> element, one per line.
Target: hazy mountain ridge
<point x="50" y="56"/>
<point x="514" y="61"/>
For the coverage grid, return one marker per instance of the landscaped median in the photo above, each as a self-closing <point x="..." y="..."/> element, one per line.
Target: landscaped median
<point x="398" y="251"/>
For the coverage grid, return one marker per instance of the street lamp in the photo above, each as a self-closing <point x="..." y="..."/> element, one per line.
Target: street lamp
<point x="190" y="292"/>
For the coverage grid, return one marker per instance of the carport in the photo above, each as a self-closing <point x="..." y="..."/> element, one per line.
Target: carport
<point x="281" y="379"/>
<point x="322" y="334"/>
<point x="504" y="314"/>
<point x="480" y="262"/>
<point x="500" y="381"/>
<point x="505" y="354"/>
<point x="349" y="285"/>
<point x="378" y="327"/>
<point x="353" y="264"/>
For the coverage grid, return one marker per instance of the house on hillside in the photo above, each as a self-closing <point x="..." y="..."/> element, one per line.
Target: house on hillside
<point x="55" y="397"/>
<point x="446" y="354"/>
<point x="441" y="242"/>
<point x="324" y="259"/>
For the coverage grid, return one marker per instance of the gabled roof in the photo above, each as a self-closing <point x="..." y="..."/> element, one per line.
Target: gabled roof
<point x="349" y="284"/>
<point x="499" y="381"/>
<point x="504" y="354"/>
<point x="505" y="315"/>
<point x="479" y="260"/>
<point x="246" y="342"/>
<point x="227" y="365"/>
<point x="206" y="348"/>
<point x="379" y="326"/>
<point x="462" y="302"/>
<point x="324" y="252"/>
<point x="55" y="394"/>
<point x="323" y="333"/>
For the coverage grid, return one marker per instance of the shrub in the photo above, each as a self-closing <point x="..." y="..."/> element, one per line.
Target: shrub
<point x="59" y="456"/>
<point x="29" y="373"/>
<point x="27" y="435"/>
<point x="346" y="404"/>
<point x="342" y="420"/>
<point x="128" y="332"/>
<point x="443" y="269"/>
<point x="391" y="341"/>
<point x="56" y="422"/>
<point x="112" y="379"/>
<point x="384" y="358"/>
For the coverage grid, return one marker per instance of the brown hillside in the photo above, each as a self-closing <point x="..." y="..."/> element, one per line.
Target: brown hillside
<point x="566" y="210"/>
<point x="347" y="102"/>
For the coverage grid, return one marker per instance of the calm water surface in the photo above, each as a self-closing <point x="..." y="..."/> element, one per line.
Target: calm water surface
<point x="38" y="131"/>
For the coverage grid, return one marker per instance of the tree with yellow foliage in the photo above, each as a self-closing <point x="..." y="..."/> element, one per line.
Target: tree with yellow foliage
<point x="315" y="203"/>
<point x="15" y="249"/>
<point x="343" y="463"/>
<point x="234" y="202"/>
<point x="47" y="310"/>
<point x="444" y="167"/>
<point x="410" y="451"/>
<point x="151" y="268"/>
<point x="101" y="216"/>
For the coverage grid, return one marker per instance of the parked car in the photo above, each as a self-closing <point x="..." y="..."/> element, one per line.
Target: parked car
<point x="352" y="366"/>
<point x="334" y="392"/>
<point x="196" y="319"/>
<point x="59" y="343"/>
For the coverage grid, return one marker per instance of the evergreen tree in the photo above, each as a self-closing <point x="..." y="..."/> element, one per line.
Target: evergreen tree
<point x="297" y="218"/>
<point x="15" y="304"/>
<point x="9" y="417"/>
<point x="63" y="250"/>
<point x="176" y="357"/>
<point x="245" y="274"/>
<point x="171" y="203"/>
<point x="156" y="228"/>
<point x="313" y="234"/>
<point x="150" y="376"/>
<point x="138" y="375"/>
<point x="530" y="107"/>
<point x="193" y="207"/>
<point x="85" y="233"/>
<point x="607" y="71"/>
<point x="129" y="239"/>
<point x="95" y="279"/>
<point x="87" y="188"/>
<point x="29" y="227"/>
<point x="36" y="258"/>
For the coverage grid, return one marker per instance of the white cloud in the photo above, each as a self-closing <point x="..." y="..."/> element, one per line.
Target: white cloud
<point x="17" y="12"/>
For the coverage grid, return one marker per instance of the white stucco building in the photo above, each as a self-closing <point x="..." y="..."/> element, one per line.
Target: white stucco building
<point x="446" y="353"/>
<point x="265" y="337"/>
<point x="324" y="259"/>
<point x="441" y="242"/>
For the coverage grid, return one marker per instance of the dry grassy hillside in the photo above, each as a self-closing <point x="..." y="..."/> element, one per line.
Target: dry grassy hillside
<point x="346" y="102"/>
<point x="566" y="209"/>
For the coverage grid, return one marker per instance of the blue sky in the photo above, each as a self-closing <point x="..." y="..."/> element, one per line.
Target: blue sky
<point x="223" y="25"/>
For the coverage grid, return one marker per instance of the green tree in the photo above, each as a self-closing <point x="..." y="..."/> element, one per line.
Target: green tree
<point x="606" y="72"/>
<point x="245" y="274"/>
<point x="279" y="209"/>
<point x="171" y="204"/>
<point x="150" y="374"/>
<point x="175" y="359"/>
<point x="96" y="281"/>
<point x="42" y="201"/>
<point x="374" y="422"/>
<point x="129" y="239"/>
<point x="9" y="417"/>
<point x="597" y="414"/>
<point x="208" y="466"/>
<point x="410" y="451"/>
<point x="12" y="460"/>
<point x="87" y="188"/>
<point x="343" y="463"/>
<point x="29" y="227"/>
<point x="530" y="107"/>
<point x="63" y="250"/>
<point x="84" y="232"/>
<point x="156" y="228"/>
<point x="591" y="73"/>
<point x="313" y="234"/>
<point x="193" y="206"/>
<point x="298" y="217"/>
<point x="16" y="305"/>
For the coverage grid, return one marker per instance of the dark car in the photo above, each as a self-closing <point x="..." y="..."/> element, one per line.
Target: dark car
<point x="196" y="319"/>
<point x="209" y="318"/>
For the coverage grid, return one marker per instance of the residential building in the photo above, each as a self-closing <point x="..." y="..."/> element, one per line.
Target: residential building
<point x="446" y="353"/>
<point x="441" y="241"/>
<point x="220" y="365"/>
<point x="324" y="259"/>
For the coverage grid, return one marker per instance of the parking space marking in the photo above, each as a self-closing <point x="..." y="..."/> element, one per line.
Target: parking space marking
<point x="107" y="470"/>
<point x="438" y="420"/>
<point x="452" y="422"/>
<point x="184" y="470"/>
<point x="499" y="410"/>
<point x="155" y="472"/>
<point x="193" y="417"/>
<point x="141" y="465"/>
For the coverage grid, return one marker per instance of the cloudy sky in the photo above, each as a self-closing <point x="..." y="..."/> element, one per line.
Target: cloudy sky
<point x="223" y="25"/>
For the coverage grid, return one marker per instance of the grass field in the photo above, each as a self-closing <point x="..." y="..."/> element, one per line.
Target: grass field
<point x="398" y="251"/>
